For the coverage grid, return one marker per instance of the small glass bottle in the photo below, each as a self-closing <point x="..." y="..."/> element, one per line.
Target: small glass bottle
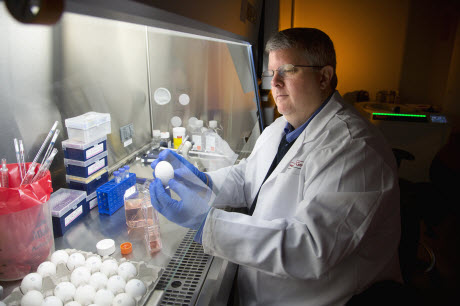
<point x="122" y="173"/>
<point x="116" y="174"/>
<point x="165" y="140"/>
<point x="126" y="171"/>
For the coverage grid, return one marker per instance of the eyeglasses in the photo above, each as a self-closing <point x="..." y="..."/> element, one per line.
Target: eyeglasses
<point x="286" y="70"/>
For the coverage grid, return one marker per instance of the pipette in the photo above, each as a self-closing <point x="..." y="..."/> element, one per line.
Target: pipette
<point x="23" y="162"/>
<point x="31" y="172"/>
<point x="50" y="147"/>
<point x="18" y="158"/>
<point x="46" y="166"/>
<point x="4" y="175"/>
<point x="182" y="144"/>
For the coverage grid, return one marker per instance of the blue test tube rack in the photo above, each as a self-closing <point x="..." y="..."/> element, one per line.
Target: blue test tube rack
<point x="110" y="196"/>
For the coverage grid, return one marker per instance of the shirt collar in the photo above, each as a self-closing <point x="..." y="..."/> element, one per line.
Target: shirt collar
<point x="292" y="134"/>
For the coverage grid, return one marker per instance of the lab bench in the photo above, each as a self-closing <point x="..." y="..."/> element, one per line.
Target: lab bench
<point x="190" y="277"/>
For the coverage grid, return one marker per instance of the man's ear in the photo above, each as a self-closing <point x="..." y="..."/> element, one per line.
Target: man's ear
<point x="326" y="74"/>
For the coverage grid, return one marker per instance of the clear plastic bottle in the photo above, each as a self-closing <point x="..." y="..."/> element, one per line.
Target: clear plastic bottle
<point x="197" y="136"/>
<point x="213" y="136"/>
<point x="156" y="139"/>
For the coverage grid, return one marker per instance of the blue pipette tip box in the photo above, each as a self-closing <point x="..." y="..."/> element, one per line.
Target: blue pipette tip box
<point x="89" y="184"/>
<point x="67" y="207"/>
<point x="110" y="196"/>
<point x="86" y="168"/>
<point x="82" y="151"/>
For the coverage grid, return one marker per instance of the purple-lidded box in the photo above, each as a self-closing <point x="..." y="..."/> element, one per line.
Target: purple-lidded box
<point x="67" y="207"/>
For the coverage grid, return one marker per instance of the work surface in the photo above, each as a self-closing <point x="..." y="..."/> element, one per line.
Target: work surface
<point x="94" y="227"/>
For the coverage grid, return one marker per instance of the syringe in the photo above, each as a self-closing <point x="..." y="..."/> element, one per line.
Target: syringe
<point x="46" y="166"/>
<point x="18" y="158"/>
<point x="31" y="172"/>
<point x="4" y="175"/>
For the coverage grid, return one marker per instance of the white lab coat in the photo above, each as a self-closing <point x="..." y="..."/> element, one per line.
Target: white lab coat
<point x="327" y="223"/>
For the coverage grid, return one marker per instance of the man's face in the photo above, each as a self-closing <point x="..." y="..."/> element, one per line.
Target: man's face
<point x="299" y="94"/>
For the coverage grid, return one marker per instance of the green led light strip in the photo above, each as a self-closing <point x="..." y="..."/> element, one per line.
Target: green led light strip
<point x="399" y="115"/>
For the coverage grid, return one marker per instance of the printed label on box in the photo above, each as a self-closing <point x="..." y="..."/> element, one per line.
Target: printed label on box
<point x="96" y="166"/>
<point x="73" y="215"/>
<point x="94" y="150"/>
<point x="93" y="203"/>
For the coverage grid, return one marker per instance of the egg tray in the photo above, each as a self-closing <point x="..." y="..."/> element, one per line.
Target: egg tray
<point x="148" y="274"/>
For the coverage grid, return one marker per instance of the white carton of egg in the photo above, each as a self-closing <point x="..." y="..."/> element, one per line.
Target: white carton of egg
<point x="77" y="273"/>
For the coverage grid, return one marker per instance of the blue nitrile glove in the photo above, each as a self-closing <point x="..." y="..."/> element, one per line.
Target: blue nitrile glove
<point x="191" y="210"/>
<point x="178" y="162"/>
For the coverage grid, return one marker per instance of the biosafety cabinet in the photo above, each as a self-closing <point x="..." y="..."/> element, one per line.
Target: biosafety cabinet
<point x="143" y="66"/>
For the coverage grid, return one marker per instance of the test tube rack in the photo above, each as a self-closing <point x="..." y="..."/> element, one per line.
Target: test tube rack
<point x="110" y="196"/>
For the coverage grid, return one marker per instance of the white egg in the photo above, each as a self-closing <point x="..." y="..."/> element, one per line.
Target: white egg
<point x="127" y="270"/>
<point x="85" y="294"/>
<point x="80" y="276"/>
<point x="116" y="284"/>
<point x="59" y="256"/>
<point x="75" y="260"/>
<point x="93" y="263"/>
<point x="103" y="297"/>
<point x="46" y="268"/>
<point x="52" y="301"/>
<point x="123" y="299"/>
<point x="135" y="288"/>
<point x="98" y="280"/>
<point x="32" y="298"/>
<point x="73" y="303"/>
<point x="109" y="267"/>
<point x="32" y="281"/>
<point x="164" y="171"/>
<point x="65" y="291"/>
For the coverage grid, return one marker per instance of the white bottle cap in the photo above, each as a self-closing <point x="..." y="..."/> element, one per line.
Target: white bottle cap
<point x="199" y="123"/>
<point x="105" y="247"/>
<point x="156" y="133"/>
<point x="213" y="124"/>
<point x="176" y="121"/>
<point x="178" y="132"/>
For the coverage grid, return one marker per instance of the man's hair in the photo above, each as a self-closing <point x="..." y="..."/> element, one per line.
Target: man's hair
<point x="316" y="45"/>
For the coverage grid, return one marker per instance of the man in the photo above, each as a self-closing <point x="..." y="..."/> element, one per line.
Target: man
<point x="320" y="185"/>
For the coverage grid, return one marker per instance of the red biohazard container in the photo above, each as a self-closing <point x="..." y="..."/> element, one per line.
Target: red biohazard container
<point x="26" y="232"/>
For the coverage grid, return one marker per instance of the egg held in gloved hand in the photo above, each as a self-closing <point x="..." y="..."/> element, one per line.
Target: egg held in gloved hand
<point x="164" y="171"/>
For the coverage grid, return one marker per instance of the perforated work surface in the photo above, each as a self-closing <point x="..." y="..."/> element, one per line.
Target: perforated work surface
<point x="185" y="273"/>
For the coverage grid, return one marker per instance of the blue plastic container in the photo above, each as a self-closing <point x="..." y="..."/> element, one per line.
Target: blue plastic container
<point x="110" y="195"/>
<point x="67" y="207"/>
<point x="89" y="184"/>
<point x="81" y="151"/>
<point x="86" y="168"/>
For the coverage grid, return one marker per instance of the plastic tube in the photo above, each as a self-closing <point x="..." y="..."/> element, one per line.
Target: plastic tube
<point x="31" y="172"/>
<point x="4" y="175"/>
<point x="47" y="164"/>
<point x="18" y="158"/>
<point x="21" y="151"/>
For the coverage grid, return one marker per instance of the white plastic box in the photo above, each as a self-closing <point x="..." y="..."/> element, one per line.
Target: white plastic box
<point x="88" y="127"/>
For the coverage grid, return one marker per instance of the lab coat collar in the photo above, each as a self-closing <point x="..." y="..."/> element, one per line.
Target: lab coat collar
<point x="310" y="132"/>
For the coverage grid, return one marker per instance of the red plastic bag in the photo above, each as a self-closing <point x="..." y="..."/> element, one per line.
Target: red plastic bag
<point x="26" y="233"/>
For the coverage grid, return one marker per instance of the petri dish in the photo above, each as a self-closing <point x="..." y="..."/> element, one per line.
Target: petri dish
<point x="162" y="96"/>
